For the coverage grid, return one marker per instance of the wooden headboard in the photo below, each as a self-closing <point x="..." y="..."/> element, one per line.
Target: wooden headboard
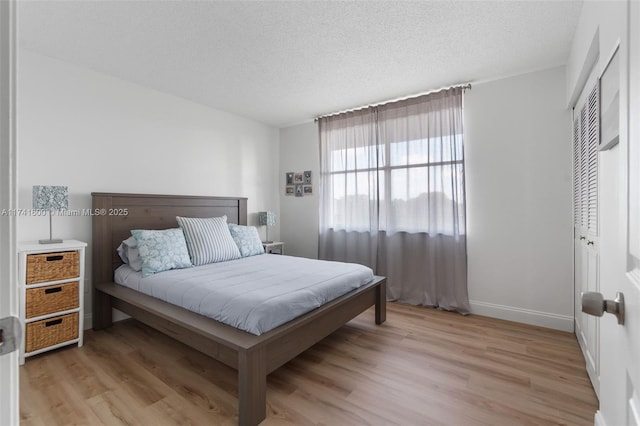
<point x="115" y="215"/>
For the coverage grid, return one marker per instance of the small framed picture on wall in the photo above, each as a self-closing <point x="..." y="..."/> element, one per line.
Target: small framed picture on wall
<point x="297" y="178"/>
<point x="299" y="191"/>
<point x="289" y="190"/>
<point x="289" y="177"/>
<point x="308" y="190"/>
<point x="307" y="177"/>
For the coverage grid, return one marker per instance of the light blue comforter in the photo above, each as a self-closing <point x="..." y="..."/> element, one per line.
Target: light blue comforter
<point x="255" y="294"/>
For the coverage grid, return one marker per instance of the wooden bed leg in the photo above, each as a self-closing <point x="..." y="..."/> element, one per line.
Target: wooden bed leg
<point x="101" y="310"/>
<point x="381" y="303"/>
<point x="252" y="386"/>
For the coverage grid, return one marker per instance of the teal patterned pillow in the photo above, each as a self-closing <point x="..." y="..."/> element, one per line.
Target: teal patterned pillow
<point x="247" y="239"/>
<point x="161" y="250"/>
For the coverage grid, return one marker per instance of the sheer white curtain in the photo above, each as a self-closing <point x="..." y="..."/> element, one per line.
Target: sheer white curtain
<point x="392" y="196"/>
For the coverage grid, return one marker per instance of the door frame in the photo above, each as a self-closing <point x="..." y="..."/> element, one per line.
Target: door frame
<point x="9" y="396"/>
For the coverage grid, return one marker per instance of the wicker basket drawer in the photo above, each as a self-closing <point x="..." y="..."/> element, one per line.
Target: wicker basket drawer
<point x="50" y="299"/>
<point x="52" y="266"/>
<point x="51" y="331"/>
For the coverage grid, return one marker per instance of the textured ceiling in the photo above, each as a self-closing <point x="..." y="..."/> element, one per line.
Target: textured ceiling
<point x="283" y="63"/>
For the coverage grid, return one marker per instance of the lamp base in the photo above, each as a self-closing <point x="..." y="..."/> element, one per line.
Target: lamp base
<point x="50" y="241"/>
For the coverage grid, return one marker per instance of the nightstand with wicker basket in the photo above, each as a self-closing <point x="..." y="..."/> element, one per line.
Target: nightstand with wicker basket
<point x="51" y="292"/>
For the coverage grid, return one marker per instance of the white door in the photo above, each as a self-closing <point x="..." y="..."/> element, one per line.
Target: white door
<point x="9" y="406"/>
<point x="620" y="245"/>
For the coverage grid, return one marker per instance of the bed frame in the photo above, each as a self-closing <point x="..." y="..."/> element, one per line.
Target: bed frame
<point x="254" y="357"/>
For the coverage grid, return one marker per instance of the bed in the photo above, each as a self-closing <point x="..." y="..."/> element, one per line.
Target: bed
<point x="254" y="357"/>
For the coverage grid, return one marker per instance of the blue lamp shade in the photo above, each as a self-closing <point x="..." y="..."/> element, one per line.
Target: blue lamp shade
<point x="267" y="219"/>
<point x="51" y="199"/>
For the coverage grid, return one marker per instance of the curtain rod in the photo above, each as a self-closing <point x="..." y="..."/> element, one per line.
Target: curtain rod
<point x="465" y="86"/>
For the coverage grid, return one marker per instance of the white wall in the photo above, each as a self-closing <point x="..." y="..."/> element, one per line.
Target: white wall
<point x="518" y="176"/>
<point x="93" y="132"/>
<point x="518" y="162"/>
<point x="299" y="151"/>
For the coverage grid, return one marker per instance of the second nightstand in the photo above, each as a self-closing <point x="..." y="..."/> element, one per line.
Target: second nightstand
<point x="275" y="247"/>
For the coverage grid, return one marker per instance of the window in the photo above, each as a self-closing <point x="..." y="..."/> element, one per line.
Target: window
<point x="392" y="196"/>
<point x="421" y="178"/>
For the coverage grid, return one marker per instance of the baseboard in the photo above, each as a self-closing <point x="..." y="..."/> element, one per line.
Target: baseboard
<point x="526" y="316"/>
<point x="599" y="419"/>
<point x="88" y="321"/>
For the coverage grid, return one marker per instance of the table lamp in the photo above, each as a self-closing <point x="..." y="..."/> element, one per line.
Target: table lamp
<point x="267" y="219"/>
<point x="52" y="199"/>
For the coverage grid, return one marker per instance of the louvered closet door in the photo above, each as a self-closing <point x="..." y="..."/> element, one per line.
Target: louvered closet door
<point x="593" y="138"/>
<point x="584" y="170"/>
<point x="577" y="160"/>
<point x="577" y="221"/>
<point x="586" y="134"/>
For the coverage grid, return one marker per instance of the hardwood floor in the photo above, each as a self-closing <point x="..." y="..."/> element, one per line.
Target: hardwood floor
<point x="421" y="367"/>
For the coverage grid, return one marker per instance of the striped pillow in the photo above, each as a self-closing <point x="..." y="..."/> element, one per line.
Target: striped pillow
<point x="208" y="239"/>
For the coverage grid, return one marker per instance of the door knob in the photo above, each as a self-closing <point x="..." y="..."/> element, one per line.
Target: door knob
<point x="594" y="304"/>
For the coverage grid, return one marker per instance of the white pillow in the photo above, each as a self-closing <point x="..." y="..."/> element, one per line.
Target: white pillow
<point x="128" y="251"/>
<point x="208" y="239"/>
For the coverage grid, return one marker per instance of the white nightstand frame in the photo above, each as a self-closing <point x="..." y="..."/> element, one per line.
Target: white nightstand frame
<point x="274" y="245"/>
<point x="27" y="248"/>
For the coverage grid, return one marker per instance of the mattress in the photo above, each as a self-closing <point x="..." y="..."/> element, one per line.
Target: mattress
<point x="255" y="294"/>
